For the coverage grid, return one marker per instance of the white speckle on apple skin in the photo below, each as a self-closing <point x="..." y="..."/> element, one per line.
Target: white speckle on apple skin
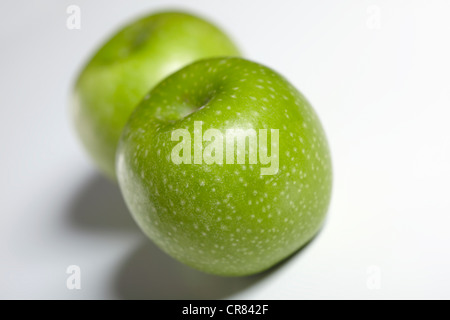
<point x="242" y="221"/>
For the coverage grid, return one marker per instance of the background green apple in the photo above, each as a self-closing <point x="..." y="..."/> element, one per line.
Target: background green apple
<point x="128" y="65"/>
<point x="226" y="219"/>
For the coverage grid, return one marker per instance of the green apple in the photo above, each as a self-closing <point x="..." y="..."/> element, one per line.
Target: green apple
<point x="134" y="60"/>
<point x="226" y="167"/>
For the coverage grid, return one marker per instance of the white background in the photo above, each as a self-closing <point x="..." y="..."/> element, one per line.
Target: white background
<point x="377" y="73"/>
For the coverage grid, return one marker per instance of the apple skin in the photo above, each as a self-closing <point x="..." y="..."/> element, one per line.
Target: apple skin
<point x="226" y="219"/>
<point x="133" y="61"/>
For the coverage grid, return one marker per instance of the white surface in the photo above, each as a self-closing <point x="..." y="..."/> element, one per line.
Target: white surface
<point x="383" y="96"/>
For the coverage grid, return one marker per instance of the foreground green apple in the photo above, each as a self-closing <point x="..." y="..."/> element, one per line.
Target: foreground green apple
<point x="226" y="167"/>
<point x="128" y="65"/>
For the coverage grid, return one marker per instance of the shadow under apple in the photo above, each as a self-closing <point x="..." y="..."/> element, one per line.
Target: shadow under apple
<point x="149" y="273"/>
<point x="99" y="205"/>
